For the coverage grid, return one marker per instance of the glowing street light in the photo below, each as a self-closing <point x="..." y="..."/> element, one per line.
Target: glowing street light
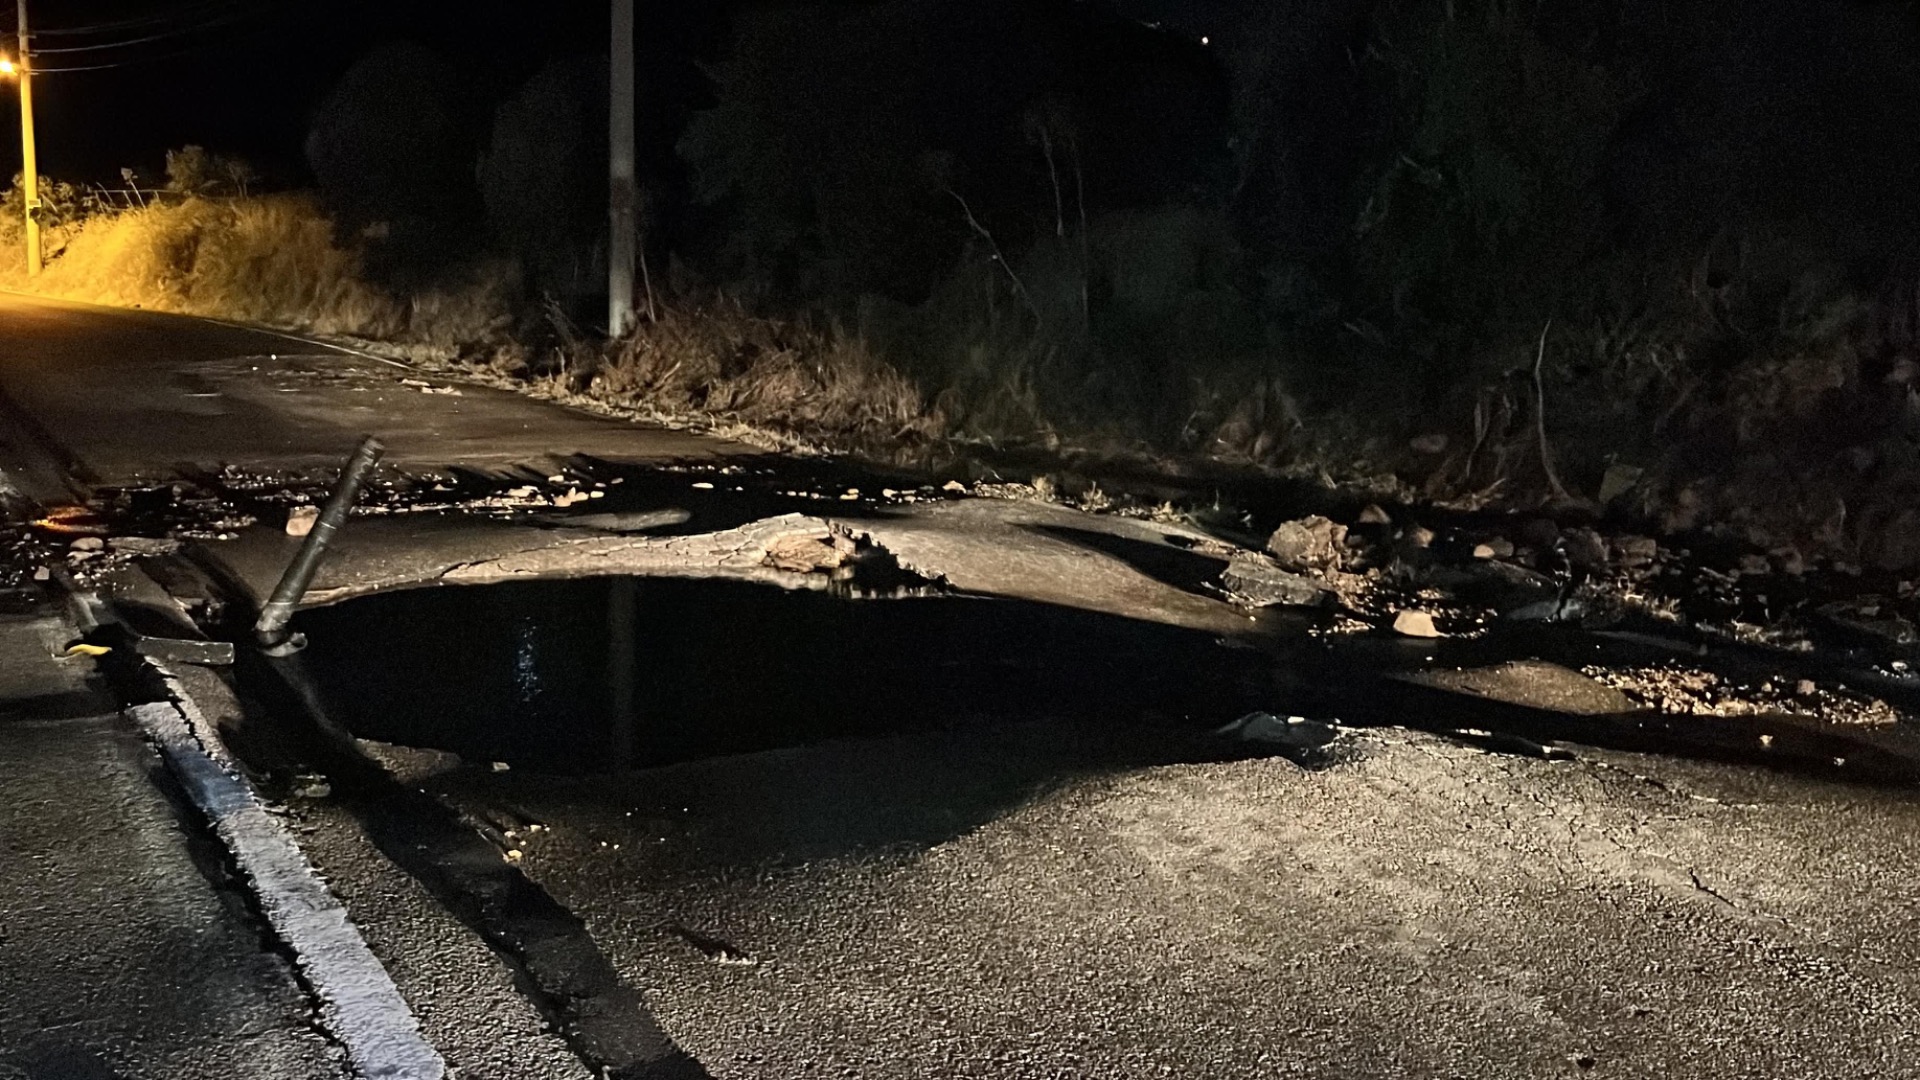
<point x="21" y="67"/>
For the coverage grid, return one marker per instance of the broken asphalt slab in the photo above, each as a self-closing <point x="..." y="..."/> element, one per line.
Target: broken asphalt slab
<point x="1015" y="550"/>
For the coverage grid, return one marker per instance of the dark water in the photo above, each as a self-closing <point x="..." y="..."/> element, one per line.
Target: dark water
<point x="604" y="674"/>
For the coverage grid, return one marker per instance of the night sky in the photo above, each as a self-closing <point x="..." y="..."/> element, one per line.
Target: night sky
<point x="244" y="75"/>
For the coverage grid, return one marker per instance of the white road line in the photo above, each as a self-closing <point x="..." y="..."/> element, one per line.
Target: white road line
<point x="359" y="1004"/>
<point x="349" y="350"/>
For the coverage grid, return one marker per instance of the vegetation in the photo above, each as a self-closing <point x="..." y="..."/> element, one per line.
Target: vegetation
<point x="267" y="259"/>
<point x="1508" y="253"/>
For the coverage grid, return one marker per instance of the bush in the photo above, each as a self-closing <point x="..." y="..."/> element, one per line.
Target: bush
<point x="795" y="376"/>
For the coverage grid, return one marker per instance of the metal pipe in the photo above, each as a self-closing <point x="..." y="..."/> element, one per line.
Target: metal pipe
<point x="271" y="630"/>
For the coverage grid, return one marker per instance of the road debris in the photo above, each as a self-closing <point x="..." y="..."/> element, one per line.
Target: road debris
<point x="300" y="519"/>
<point x="1415" y="624"/>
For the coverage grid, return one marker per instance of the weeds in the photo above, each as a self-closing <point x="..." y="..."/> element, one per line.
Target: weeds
<point x="725" y="364"/>
<point x="272" y="260"/>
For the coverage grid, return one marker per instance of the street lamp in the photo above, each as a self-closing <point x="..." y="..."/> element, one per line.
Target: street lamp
<point x="22" y="69"/>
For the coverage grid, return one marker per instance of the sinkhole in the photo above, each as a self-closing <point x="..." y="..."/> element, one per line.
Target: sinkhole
<point x="609" y="674"/>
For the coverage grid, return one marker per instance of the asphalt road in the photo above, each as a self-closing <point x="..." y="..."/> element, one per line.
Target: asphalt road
<point x="1044" y="901"/>
<point x="1018" y="895"/>
<point x="131" y="396"/>
<point x="124" y="950"/>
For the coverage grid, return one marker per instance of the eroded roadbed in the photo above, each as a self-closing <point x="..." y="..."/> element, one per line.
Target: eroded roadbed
<point x="940" y="788"/>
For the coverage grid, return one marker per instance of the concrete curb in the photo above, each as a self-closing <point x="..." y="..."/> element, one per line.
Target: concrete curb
<point x="359" y="1004"/>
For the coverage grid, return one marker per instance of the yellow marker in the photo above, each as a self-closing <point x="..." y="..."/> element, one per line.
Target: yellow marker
<point x="85" y="650"/>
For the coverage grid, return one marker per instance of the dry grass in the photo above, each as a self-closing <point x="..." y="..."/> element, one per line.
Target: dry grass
<point x="270" y="260"/>
<point x="725" y="365"/>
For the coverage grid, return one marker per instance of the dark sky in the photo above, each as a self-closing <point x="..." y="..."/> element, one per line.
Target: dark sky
<point x="243" y="75"/>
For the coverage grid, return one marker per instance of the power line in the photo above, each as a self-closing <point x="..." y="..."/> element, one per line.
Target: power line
<point x="141" y="22"/>
<point x="234" y="15"/>
<point x="166" y="35"/>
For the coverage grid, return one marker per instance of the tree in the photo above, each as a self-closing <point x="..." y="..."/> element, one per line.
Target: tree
<point x="396" y="143"/>
<point x="544" y="178"/>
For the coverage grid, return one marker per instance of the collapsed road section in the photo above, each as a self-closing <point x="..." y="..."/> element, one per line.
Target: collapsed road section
<point x="999" y="787"/>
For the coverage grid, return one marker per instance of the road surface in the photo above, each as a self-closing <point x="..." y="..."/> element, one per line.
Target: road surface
<point x="1013" y="891"/>
<point x="124" y="948"/>
<point x="130" y="397"/>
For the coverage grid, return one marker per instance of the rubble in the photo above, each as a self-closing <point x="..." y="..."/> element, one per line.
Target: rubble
<point x="1255" y="580"/>
<point x="1415" y="624"/>
<point x="301" y="519"/>
<point x="1308" y="544"/>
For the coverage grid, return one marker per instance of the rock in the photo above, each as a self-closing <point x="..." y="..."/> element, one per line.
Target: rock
<point x="1788" y="561"/>
<point x="1686" y="512"/>
<point x="1617" y="481"/>
<point x="311" y="786"/>
<point x="1415" y="624"/>
<point x="1754" y="566"/>
<point x="1548" y="611"/>
<point x="1311" y="543"/>
<point x="41" y="573"/>
<point x="300" y="520"/>
<point x="1254" y="580"/>
<point x="804" y="554"/>
<point x="1498" y="547"/>
<point x="1372" y="514"/>
<point x="1434" y="443"/>
<point x="89" y="543"/>
<point x="1584" y="549"/>
<point x="1636" y="552"/>
<point x="1805" y="688"/>
<point x="954" y="486"/>
<point x="1419" y="537"/>
<point x="1293" y="732"/>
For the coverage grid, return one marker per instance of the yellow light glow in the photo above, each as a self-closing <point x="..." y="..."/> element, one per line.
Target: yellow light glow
<point x="7" y="68"/>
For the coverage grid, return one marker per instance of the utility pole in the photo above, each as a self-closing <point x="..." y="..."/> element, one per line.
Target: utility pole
<point x="624" y="200"/>
<point x="29" y="166"/>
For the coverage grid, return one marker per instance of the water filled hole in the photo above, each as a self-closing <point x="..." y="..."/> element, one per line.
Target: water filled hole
<point x="604" y="674"/>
